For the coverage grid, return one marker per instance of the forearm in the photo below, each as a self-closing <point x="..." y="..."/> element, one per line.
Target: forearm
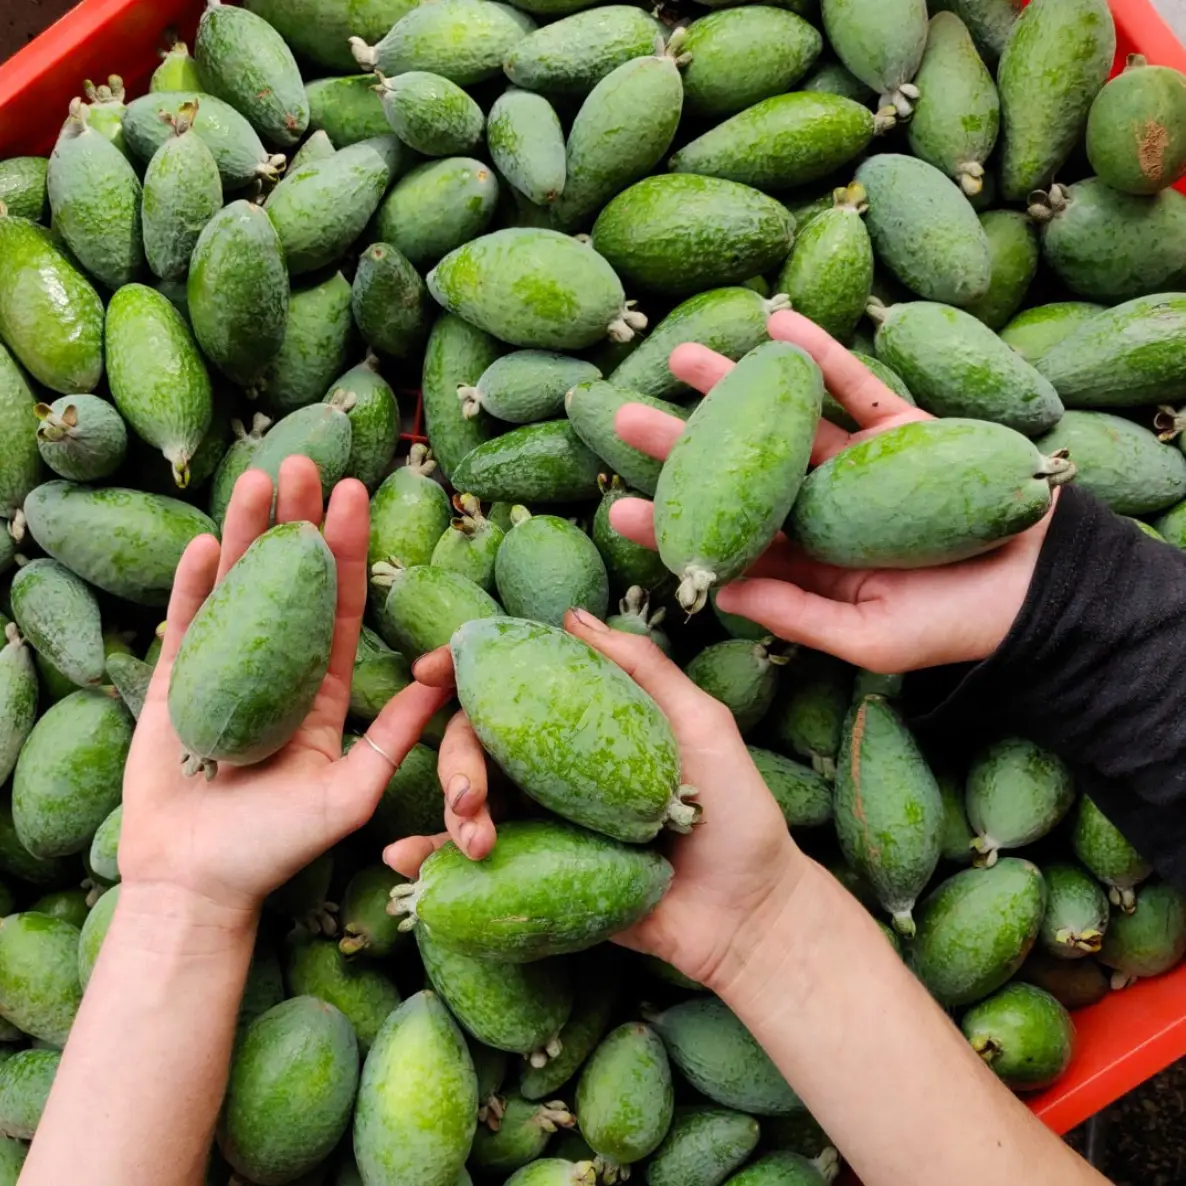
<point x="876" y="1061"/>
<point x="144" y="1071"/>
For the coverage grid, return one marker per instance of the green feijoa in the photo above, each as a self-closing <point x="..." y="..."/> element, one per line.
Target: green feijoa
<point x="975" y="930"/>
<point x="958" y="113"/>
<point x="320" y="432"/>
<point x="293" y="1078"/>
<point x="808" y="718"/>
<point x="782" y="142"/>
<point x="1074" y="984"/>
<point x="572" y="55"/>
<point x="417" y="1107"/>
<point x="591" y="408"/>
<point x="409" y="513"/>
<point x="520" y="1008"/>
<point x="784" y="1168"/>
<point x="366" y="926"/>
<point x="889" y="813"/>
<point x="1016" y="793"/>
<point x="989" y="21"/>
<point x="346" y="109"/>
<point x="20" y="460"/>
<point x="59" y="615"/>
<point x="526" y="386"/>
<point x="104" y="850"/>
<point x="555" y="1171"/>
<point x="18" y="698"/>
<point x="836" y="522"/>
<point x="1077" y="913"/>
<point x="94" y="196"/>
<point x="1013" y="251"/>
<point x="521" y="685"/>
<point x="437" y="207"/>
<point x="17" y="861"/>
<point x="158" y="379"/>
<point x="881" y="43"/>
<point x="130" y="678"/>
<point x="547" y="888"/>
<point x="51" y="318"/>
<point x="470" y="544"/>
<point x="804" y="796"/>
<point x="81" y="437"/>
<point x="547" y="566"/>
<point x="320" y="32"/>
<point x="177" y="72"/>
<point x="982" y="378"/>
<point x="94" y="931"/>
<point x="22" y="187"/>
<point x="634" y="617"/>
<point x="1149" y="938"/>
<point x="182" y="192"/>
<point x="1136" y="130"/>
<point x="241" y="156"/>
<point x="535" y="288"/>
<point x="69" y="905"/>
<point x="924" y="230"/>
<point x="833" y="77"/>
<point x="464" y="41"/>
<point x="431" y="114"/>
<point x="106" y="109"/>
<point x="1023" y="1034"/>
<point x="240" y="687"/>
<point x="829" y="273"/>
<point x="544" y="462"/>
<point x="1101" y="846"/>
<point x="521" y="1136"/>
<point x="703" y="1147"/>
<point x="25" y="1083"/>
<point x="1120" y="462"/>
<point x="627" y="564"/>
<point x="720" y="1058"/>
<point x="235" y="462"/>
<point x="242" y="59"/>
<point x="379" y="674"/>
<point x="69" y="774"/>
<point x="680" y="233"/>
<point x="625" y="1099"/>
<point x="594" y="1000"/>
<point x="425" y="604"/>
<point x="734" y="473"/>
<point x="1055" y="62"/>
<point x="742" y="675"/>
<point x="956" y="835"/>
<point x="39" y="989"/>
<point x="1150" y="530"/>
<point x="389" y="302"/>
<point x="367" y="399"/>
<point x="13" y="1152"/>
<point x="238" y="291"/>
<point x="413" y="803"/>
<point x="1034" y="332"/>
<point x="1110" y="246"/>
<point x="526" y="144"/>
<point x="621" y="132"/>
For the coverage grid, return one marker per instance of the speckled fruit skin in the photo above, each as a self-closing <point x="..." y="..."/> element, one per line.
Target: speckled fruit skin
<point x="514" y="1007"/>
<point x="571" y="56"/>
<point x="25" y="1082"/>
<point x="739" y="674"/>
<point x="839" y="520"/>
<point x="734" y="473"/>
<point x="681" y="233"/>
<point x="94" y="931"/>
<point x="346" y="108"/>
<point x="18" y="701"/>
<point x="625" y="1098"/>
<point x="803" y="796"/>
<point x="320" y="32"/>
<point x="51" y="317"/>
<point x="409" y="512"/>
<point x="1024" y="1034"/>
<point x="548" y="888"/>
<point x="1132" y="354"/>
<point x="59" y="615"/>
<point x="976" y="929"/>
<point x="889" y="813"/>
<point x="881" y="43"/>
<point x="22" y="187"/>
<point x="389" y="302"/>
<point x="529" y="385"/>
<point x="103" y="854"/>
<point x="238" y="291"/>
<point x="526" y="144"/>
<point x="544" y="462"/>
<point x="702" y="1147"/>
<point x="956" y="366"/>
<point x="1121" y="463"/>
<point x="431" y="114"/>
<point x="1077" y="913"/>
<point x="626" y="562"/>
<point x="234" y="463"/>
<point x="367" y="399"/>
<point x="1099" y="844"/>
<point x="291" y="1087"/>
<point x="721" y="1059"/>
<point x="418" y="1099"/>
<point x="20" y="461"/>
<point x="469" y="545"/>
<point x="39" y="989"/>
<point x="242" y="59"/>
<point x="320" y="432"/>
<point x="425" y="605"/>
<point x="924" y="230"/>
<point x="379" y="674"/>
<point x="553" y="1171"/>
<point x="1034" y="332"/>
<point x="781" y="142"/>
<point x="1151" y="938"/>
<point x="1136" y="131"/>
<point x="547" y="566"/>
<point x="1053" y="66"/>
<point x="593" y="1005"/>
<point x="1013" y="251"/>
<point x="989" y="21"/>
<point x="526" y="688"/>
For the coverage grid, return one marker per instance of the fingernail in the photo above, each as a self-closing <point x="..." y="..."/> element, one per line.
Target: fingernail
<point x="458" y="786"/>
<point x="587" y="620"/>
<point x="468" y="832"/>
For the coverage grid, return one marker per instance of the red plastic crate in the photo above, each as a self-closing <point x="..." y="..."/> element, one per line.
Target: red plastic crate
<point x="1123" y="1040"/>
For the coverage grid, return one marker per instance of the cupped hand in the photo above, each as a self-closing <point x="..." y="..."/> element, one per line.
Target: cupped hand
<point x="889" y="621"/>
<point x="236" y="838"/>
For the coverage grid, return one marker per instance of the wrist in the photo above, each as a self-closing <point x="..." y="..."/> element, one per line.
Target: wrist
<point x="168" y="918"/>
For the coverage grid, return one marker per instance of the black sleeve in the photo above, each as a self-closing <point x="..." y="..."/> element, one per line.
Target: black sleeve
<point x="1095" y="670"/>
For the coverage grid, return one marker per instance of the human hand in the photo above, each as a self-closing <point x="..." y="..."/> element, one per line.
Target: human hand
<point x="886" y="620"/>
<point x="734" y="872"/>
<point x="233" y="840"/>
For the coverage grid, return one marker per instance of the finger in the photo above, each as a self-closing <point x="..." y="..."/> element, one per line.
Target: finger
<point x="347" y="532"/>
<point x="192" y="583"/>
<point x="461" y="764"/>
<point x="407" y="855"/>
<point x="635" y="519"/>
<point x="435" y="669"/>
<point x="247" y="517"/>
<point x="698" y="366"/>
<point x="299" y="498"/>
<point x="830" y="439"/>
<point x="647" y="429"/>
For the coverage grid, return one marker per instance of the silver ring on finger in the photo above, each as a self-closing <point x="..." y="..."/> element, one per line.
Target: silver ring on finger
<point x="380" y="751"/>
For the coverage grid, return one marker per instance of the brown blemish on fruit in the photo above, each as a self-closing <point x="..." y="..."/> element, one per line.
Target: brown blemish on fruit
<point x="1152" y="142"/>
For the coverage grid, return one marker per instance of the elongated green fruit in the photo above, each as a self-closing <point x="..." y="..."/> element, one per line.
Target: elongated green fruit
<point x="59" y="615"/>
<point x="526" y="386"/>
<point x="741" y="674"/>
<point x="989" y="21"/>
<point x="1035" y="332"/>
<point x="547" y="566"/>
<point x="544" y="462"/>
<point x="1150" y="938"/>
<point x="470" y="544"/>
<point x="25" y="1083"/>
<point x="20" y="459"/>
<point x="235" y="462"/>
<point x="593" y="1005"/>
<point x="104" y="851"/>
<point x="1101" y="846"/>
<point x="240" y="687"/>
<point x="431" y="114"/>
<point x="803" y="796"/>
<point x="39" y="989"/>
<point x="346" y="109"/>
<point x="1077" y="913"/>
<point x="703" y="1147"/>
<point x="1013" y="251"/>
<point x="22" y="187"/>
<point x="367" y="399"/>
<point x="735" y="471"/>
<point x="881" y="43"/>
<point x="389" y="302"/>
<point x="526" y="145"/>
<point x="425" y="604"/>
<point x="18" y="698"/>
<point x="81" y="437"/>
<point x="1023" y="1034"/>
<point x="321" y="432"/>
<point x="409" y="512"/>
<point x="320" y="32"/>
